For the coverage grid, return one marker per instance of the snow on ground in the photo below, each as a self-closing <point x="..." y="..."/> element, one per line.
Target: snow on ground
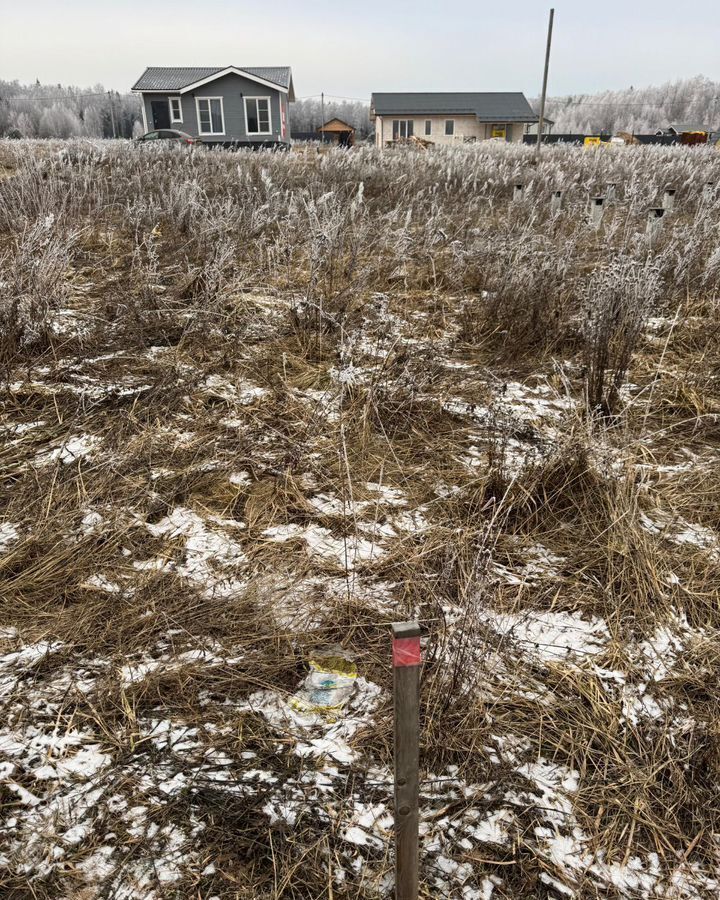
<point x="9" y="534"/>
<point x="78" y="794"/>
<point x="70" y="451"/>
<point x="549" y="635"/>
<point x="206" y="552"/>
<point x="345" y="553"/>
<point x="680" y="531"/>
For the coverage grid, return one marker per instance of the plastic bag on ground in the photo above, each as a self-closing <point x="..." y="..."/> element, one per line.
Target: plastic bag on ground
<point x="329" y="684"/>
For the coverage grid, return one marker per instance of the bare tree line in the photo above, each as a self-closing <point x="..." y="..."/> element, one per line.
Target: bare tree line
<point x="59" y="111"/>
<point x="638" y="110"/>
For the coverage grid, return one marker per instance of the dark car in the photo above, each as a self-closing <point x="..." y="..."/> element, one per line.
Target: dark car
<point x="168" y="134"/>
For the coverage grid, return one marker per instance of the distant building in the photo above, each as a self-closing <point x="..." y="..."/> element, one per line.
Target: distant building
<point x="335" y="131"/>
<point x="689" y="132"/>
<point x="445" y="118"/>
<point x="230" y="105"/>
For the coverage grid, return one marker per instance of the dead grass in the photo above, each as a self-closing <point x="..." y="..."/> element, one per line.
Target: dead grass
<point x="316" y="408"/>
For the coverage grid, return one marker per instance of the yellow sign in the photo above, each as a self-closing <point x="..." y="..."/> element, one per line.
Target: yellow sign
<point x="592" y="141"/>
<point x="498" y="131"/>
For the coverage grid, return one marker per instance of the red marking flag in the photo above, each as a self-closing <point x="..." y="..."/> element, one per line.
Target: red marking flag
<point x="406" y="652"/>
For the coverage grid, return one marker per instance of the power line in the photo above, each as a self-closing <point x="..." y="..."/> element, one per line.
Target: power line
<point x="562" y="101"/>
<point x="57" y="97"/>
<point x="333" y="97"/>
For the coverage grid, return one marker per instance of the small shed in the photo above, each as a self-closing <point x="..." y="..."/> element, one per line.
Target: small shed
<point x="688" y="132"/>
<point x="337" y="132"/>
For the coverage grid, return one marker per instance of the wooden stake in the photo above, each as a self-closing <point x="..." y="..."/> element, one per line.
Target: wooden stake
<point x="406" y="672"/>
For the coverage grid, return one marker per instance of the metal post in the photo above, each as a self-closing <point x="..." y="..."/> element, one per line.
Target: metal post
<point x="556" y="202"/>
<point x="406" y="695"/>
<point x="541" y="119"/>
<point x="596" y="210"/>
<point x="669" y="199"/>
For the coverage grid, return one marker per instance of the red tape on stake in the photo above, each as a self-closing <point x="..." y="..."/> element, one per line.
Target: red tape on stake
<point x="406" y="652"/>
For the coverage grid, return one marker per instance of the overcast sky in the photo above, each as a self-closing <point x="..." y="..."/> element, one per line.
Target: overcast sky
<point x="351" y="49"/>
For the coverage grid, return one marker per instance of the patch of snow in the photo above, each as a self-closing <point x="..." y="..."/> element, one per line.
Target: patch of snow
<point x="206" y="551"/>
<point x="72" y="450"/>
<point x="345" y="552"/>
<point x="8" y="535"/>
<point x="550" y="635"/>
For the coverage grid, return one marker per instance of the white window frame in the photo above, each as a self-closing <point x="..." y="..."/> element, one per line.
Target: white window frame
<point x="222" y="115"/>
<point x="269" y="102"/>
<point x="171" y="100"/>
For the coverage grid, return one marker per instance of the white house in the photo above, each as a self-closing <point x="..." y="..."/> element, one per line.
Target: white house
<point x="446" y="118"/>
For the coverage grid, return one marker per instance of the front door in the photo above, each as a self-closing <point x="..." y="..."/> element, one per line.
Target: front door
<point x="160" y="113"/>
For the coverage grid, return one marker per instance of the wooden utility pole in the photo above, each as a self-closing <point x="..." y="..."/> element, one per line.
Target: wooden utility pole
<point x="322" y="116"/>
<point x="112" y="113"/>
<point x="406" y="694"/>
<point x="541" y="121"/>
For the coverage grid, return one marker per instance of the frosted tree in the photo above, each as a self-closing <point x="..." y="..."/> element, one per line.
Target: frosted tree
<point x="641" y="110"/>
<point x="60" y="122"/>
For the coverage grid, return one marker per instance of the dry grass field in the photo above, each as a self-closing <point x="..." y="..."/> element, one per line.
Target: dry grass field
<point x="255" y="405"/>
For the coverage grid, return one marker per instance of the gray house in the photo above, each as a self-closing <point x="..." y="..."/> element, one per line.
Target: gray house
<point x="230" y="105"/>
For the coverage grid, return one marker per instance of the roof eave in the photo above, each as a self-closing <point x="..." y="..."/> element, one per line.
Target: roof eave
<point x="457" y="112"/>
<point x="232" y="70"/>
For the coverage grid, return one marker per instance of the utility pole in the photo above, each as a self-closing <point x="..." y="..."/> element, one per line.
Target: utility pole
<point x="541" y="122"/>
<point x="322" y="116"/>
<point x="112" y="113"/>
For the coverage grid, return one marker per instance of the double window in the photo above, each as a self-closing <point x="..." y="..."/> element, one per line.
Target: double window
<point x="449" y="127"/>
<point x="211" y="119"/>
<point x="175" y="110"/>
<point x="257" y="115"/>
<point x="402" y="128"/>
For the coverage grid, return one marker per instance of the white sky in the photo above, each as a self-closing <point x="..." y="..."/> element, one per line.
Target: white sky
<point x="352" y="49"/>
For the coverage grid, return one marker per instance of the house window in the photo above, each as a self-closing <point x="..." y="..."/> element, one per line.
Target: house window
<point x="402" y="128"/>
<point x="175" y="109"/>
<point x="428" y="127"/>
<point x="211" y="119"/>
<point x="449" y="126"/>
<point x="499" y="131"/>
<point x="257" y="115"/>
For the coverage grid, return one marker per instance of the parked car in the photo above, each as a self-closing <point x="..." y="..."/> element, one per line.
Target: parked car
<point x="169" y="134"/>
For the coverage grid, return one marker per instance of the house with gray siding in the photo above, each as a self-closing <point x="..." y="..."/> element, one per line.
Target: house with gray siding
<point x="247" y="106"/>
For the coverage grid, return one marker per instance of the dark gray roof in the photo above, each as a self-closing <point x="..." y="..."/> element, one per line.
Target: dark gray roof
<point x="159" y="78"/>
<point x="488" y="107"/>
<point x="683" y="127"/>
